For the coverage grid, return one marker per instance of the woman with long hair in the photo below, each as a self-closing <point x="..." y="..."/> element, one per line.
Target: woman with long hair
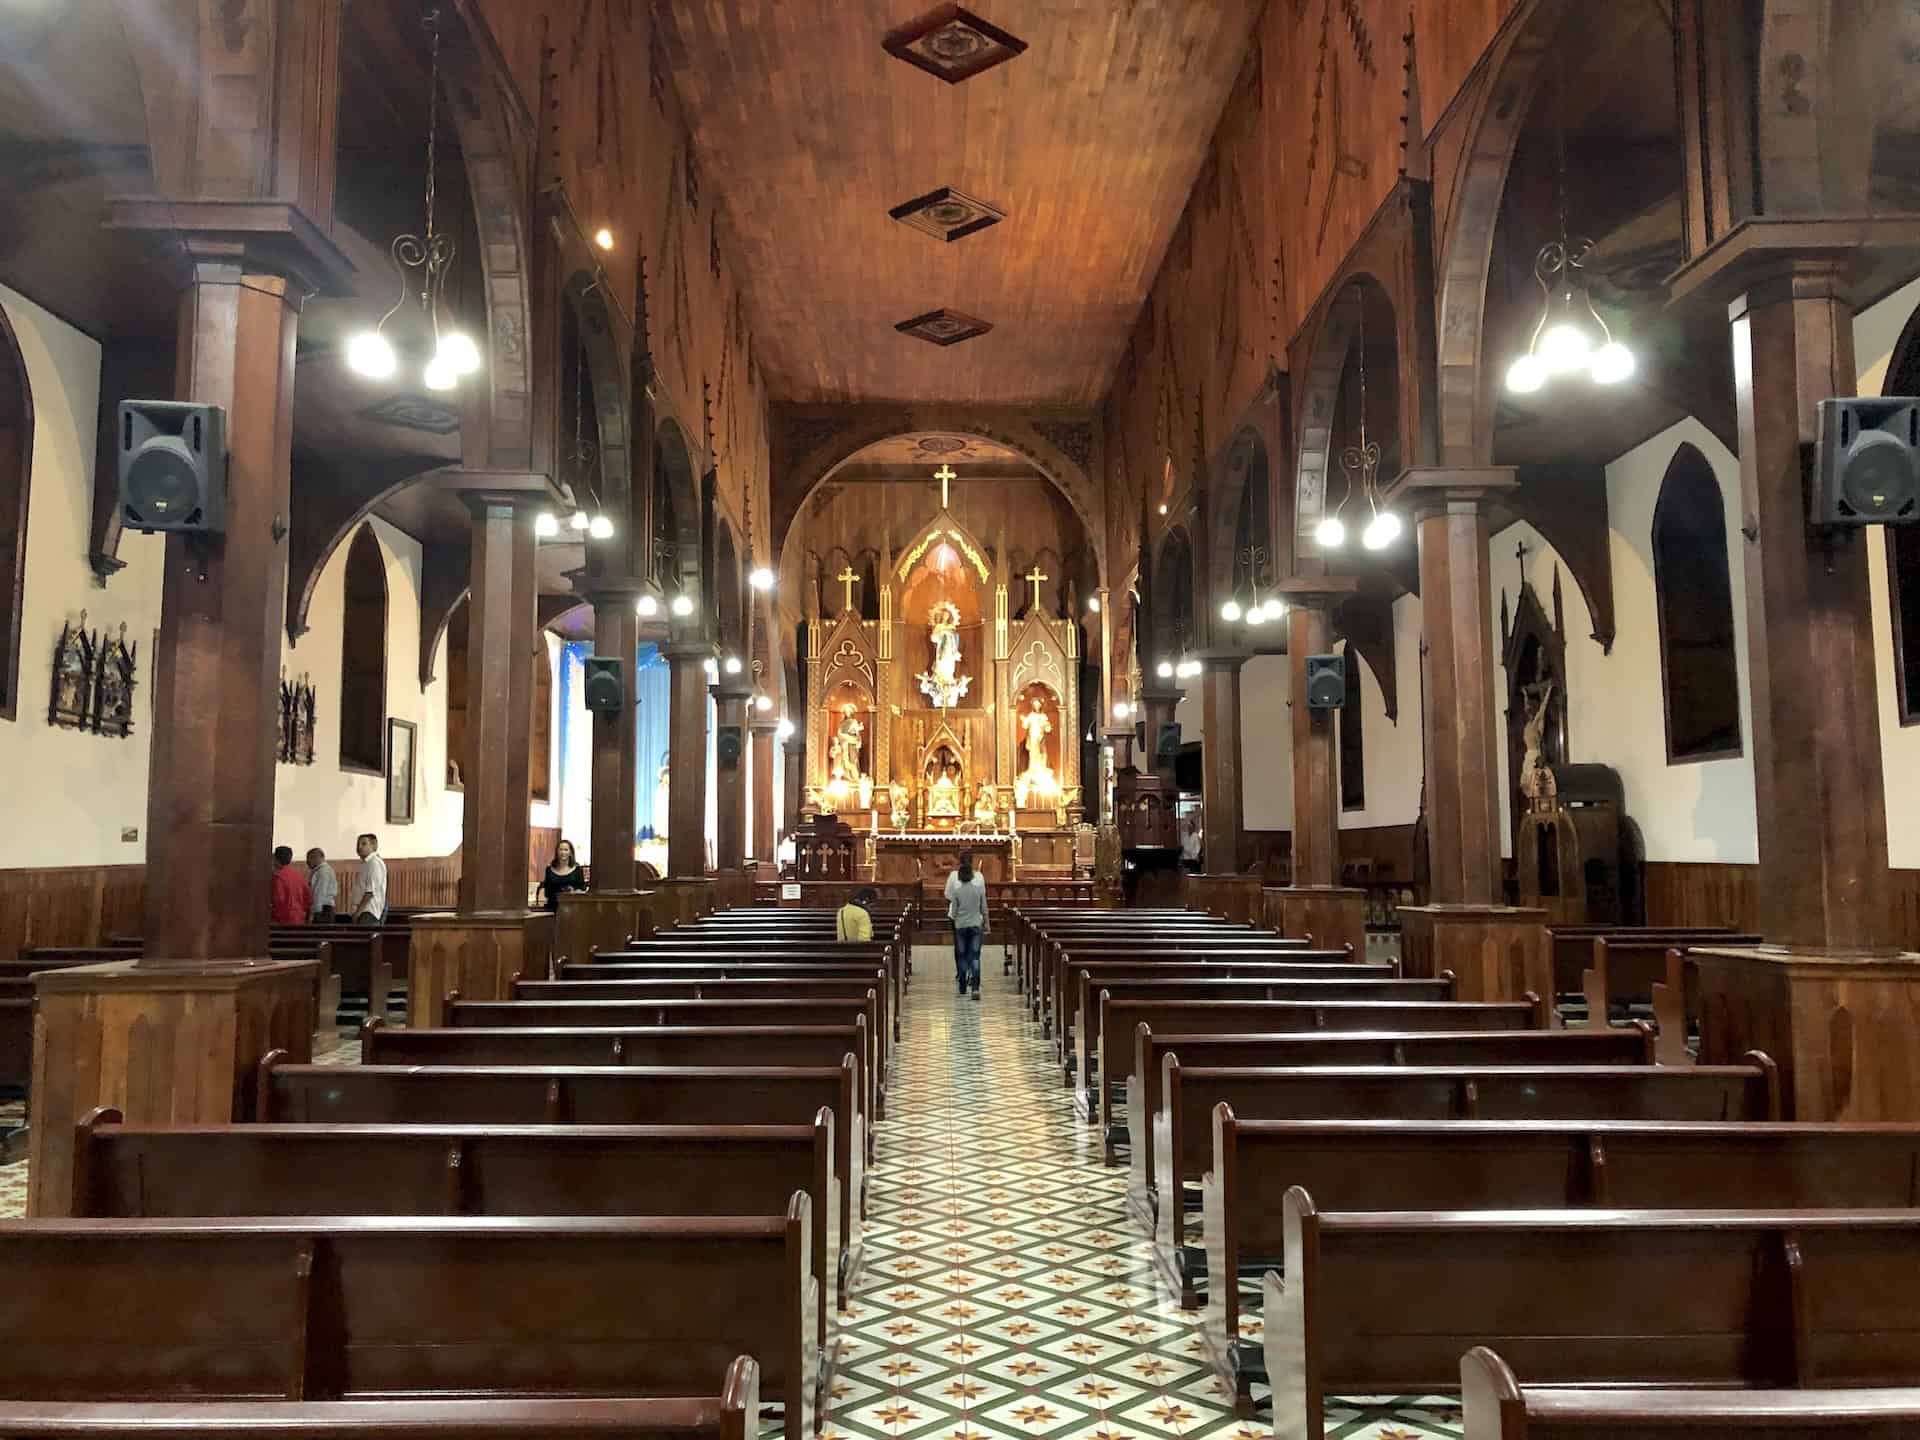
<point x="564" y="873"/>
<point x="967" y="909"/>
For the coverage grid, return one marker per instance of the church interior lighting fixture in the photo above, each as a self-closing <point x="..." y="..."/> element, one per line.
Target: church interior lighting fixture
<point x="1093" y="604"/>
<point x="1361" y="463"/>
<point x="761" y="579"/>
<point x="1571" y="337"/>
<point x="603" y="237"/>
<point x="647" y="605"/>
<point x="713" y="669"/>
<point x="763" y="703"/>
<point x="733" y="665"/>
<point x="1121" y="710"/>
<point x="424" y="260"/>
<point x="785" y="728"/>
<point x="1258" y="610"/>
<point x="1164" y="670"/>
<point x="682" y="606"/>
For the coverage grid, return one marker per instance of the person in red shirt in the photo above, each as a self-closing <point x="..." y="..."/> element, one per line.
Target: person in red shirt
<point x="292" y="899"/>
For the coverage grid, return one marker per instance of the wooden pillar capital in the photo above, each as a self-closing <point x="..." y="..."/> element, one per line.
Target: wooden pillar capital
<point x="1450" y="489"/>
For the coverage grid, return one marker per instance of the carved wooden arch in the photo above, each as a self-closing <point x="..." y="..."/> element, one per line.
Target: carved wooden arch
<point x="1464" y="405"/>
<point x="820" y="448"/>
<point x="1822" y="79"/>
<point x="1255" y="439"/>
<point x="847" y="653"/>
<point x="673" y="472"/>
<point x="1036" y="654"/>
<point x="601" y="338"/>
<point x="1163" y="619"/>
<point x="729" y="583"/>
<point x="16" y="431"/>
<point x="329" y="501"/>
<point x="1366" y="623"/>
<point x="944" y="526"/>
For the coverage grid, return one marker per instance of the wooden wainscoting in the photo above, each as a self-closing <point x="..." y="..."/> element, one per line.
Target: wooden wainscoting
<point x="1716" y="894"/>
<point x="1375" y="853"/>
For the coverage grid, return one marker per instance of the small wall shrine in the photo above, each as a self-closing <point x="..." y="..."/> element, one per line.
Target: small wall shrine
<point x="293" y="734"/>
<point x="94" y="675"/>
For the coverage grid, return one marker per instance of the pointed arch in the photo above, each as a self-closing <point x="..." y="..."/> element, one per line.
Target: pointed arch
<point x="1352" y="735"/>
<point x="363" y="657"/>
<point x="1693" y="591"/>
<point x="16" y="474"/>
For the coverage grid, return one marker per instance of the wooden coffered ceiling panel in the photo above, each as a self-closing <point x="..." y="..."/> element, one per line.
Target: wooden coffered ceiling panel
<point x="1089" y="141"/>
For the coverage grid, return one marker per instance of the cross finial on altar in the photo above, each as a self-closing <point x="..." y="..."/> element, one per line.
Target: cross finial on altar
<point x="847" y="578"/>
<point x="1033" y="577"/>
<point x="946" y="474"/>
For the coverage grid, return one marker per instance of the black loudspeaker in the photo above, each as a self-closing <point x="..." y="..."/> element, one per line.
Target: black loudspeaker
<point x="605" y="689"/>
<point x="173" y="467"/>
<point x="729" y="746"/>
<point x="1868" y="466"/>
<point x="1166" y="746"/>
<point x="1326" y="682"/>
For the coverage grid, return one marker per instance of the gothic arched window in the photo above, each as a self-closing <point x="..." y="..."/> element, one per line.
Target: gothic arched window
<point x="363" y="658"/>
<point x="1353" y="745"/>
<point x="1694" y="593"/>
<point x="1903" y="550"/>
<point x="16" y="462"/>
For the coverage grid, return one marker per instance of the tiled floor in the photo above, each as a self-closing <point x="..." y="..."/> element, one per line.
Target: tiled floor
<point x="1006" y="1293"/>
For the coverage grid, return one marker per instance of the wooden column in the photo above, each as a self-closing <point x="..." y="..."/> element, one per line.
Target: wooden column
<point x="794" y="749"/>
<point x="1220" y="762"/>
<point x="616" y="740"/>
<point x="687" y="759"/>
<point x="1316" y="903"/>
<point x="1497" y="952"/>
<point x="730" y="813"/>
<point x="765" y="732"/>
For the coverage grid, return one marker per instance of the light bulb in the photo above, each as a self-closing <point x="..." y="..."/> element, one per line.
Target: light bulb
<point x="1164" y="670"/>
<point x="1257" y="615"/>
<point x="1390" y="526"/>
<point x="1275" y="608"/>
<point x="1612" y="363"/>
<point x="459" y="351"/>
<point x="1163" y="508"/>
<point x="713" y="669"/>
<point x="578" y="520"/>
<point x="1093" y="604"/>
<point x="603" y="237"/>
<point x="546" y="525"/>
<point x="1330" y="533"/>
<point x="786" y="729"/>
<point x="1121" y="710"/>
<point x="439" y="374"/>
<point x="1230" y="612"/>
<point x="1189" y="669"/>
<point x="1378" y="535"/>
<point x="646" y="607"/>
<point x="682" y="605"/>
<point x="371" y="354"/>
<point x="601" y="528"/>
<point x="733" y="664"/>
<point x="761" y="578"/>
<point x="1565" y="348"/>
<point x="763" y="703"/>
<point x="1526" y="375"/>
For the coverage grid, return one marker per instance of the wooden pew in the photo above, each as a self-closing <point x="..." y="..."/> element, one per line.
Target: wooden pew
<point x="134" y="1172"/>
<point x="723" y="987"/>
<point x="1119" y="1018"/>
<point x="733" y="1414"/>
<point x="1042" y="936"/>
<point x="1498" y="1407"/>
<point x="1095" y="1050"/>
<point x="1573" y="946"/>
<point x="1183" y="1130"/>
<point x="1162" y="938"/>
<point x="472" y="1308"/>
<point x="494" y="1095"/>
<point x="1058" y="1011"/>
<point x="1705" y="1298"/>
<point x="630" y="963"/>
<point x="1632" y="1045"/>
<point x="1514" y="1165"/>
<point x="1630" y="972"/>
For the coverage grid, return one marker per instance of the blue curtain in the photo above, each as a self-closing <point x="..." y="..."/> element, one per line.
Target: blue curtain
<point x="653" y="678"/>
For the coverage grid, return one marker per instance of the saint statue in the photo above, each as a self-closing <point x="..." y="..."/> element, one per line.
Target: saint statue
<point x="844" y="751"/>
<point x="1536" y="775"/>
<point x="943" y="786"/>
<point x="944" y="685"/>
<point x="1038" y="727"/>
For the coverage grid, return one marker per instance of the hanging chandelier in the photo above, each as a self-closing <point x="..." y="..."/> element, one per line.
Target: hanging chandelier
<point x="579" y="459"/>
<point x="1361" y="462"/>
<point x="1570" y="337"/>
<point x="422" y="260"/>
<point x="1258" y="610"/>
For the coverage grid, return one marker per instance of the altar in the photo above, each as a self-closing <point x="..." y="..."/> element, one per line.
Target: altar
<point x="930" y="857"/>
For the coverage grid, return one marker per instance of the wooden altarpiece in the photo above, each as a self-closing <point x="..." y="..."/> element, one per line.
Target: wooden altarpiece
<point x="845" y="669"/>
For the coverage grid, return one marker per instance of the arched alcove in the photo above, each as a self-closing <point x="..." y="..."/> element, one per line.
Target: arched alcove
<point x="676" y="517"/>
<point x="1700" y="674"/>
<point x="1353" y="744"/>
<point x="1170" y="625"/>
<point x="363" y="657"/>
<point x="16" y="467"/>
<point x="1354" y="377"/>
<point x="728" y="599"/>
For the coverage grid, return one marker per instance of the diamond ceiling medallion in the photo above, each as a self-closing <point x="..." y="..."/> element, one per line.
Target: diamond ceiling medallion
<point x="947" y="215"/>
<point x="953" y="43"/>
<point x="943" y="327"/>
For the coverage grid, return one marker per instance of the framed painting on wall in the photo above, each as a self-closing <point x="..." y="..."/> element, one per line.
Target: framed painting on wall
<point x="400" y="738"/>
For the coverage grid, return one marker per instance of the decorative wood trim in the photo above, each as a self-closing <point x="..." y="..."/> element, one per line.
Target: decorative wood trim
<point x="20" y="453"/>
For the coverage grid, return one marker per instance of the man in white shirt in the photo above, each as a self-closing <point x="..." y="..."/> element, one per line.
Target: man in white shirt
<point x="371" y="906"/>
<point x="324" y="884"/>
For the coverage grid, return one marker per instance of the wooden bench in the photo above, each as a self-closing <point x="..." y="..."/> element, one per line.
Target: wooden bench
<point x="733" y="1414"/>
<point x="1514" y="1165"/>
<point x="1387" y="1302"/>
<point x="616" y="964"/>
<point x="1651" y="973"/>
<point x="1573" y="946"/>
<point x="1120" y="1017"/>
<point x="1498" y="1407"/>
<point x="131" y="1172"/>
<point x="1183" y="1130"/>
<point x="373" y="1308"/>
<point x="825" y="986"/>
<point x="1631" y="1045"/>
<point x="1058" y="1013"/>
<point x="495" y="1095"/>
<point x="1050" y="944"/>
<point x="1041" y="936"/>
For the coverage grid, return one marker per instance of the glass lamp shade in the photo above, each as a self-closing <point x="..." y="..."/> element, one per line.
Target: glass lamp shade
<point x="1164" y="670"/>
<point x="1230" y="612"/>
<point x="733" y="664"/>
<point x="371" y="354"/>
<point x="786" y="730"/>
<point x="579" y="520"/>
<point x="1330" y="533"/>
<point x="682" y="605"/>
<point x="646" y="607"/>
<point x="1526" y="375"/>
<point x="1257" y="615"/>
<point x="1612" y="363"/>
<point x="1121" y="710"/>
<point x="1381" y="531"/>
<point x="459" y="351"/>
<point x="1565" y="347"/>
<point x="763" y="703"/>
<point x="761" y="578"/>
<point x="440" y="374"/>
<point x="546" y="525"/>
<point x="1275" y="608"/>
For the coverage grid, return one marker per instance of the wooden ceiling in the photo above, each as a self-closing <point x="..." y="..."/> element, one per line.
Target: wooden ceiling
<point x="1089" y="141"/>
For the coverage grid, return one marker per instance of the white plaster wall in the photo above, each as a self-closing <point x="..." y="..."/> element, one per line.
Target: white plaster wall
<point x="1393" y="752"/>
<point x="321" y="804"/>
<point x="1875" y="333"/>
<point x="547" y="814"/>
<point x="65" y="796"/>
<point x="1266" y="742"/>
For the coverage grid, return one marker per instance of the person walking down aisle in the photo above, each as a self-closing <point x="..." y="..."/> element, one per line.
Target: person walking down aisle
<point x="967" y="909"/>
<point x="854" y="923"/>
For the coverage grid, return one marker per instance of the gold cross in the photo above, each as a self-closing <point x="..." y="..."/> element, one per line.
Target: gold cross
<point x="945" y="475"/>
<point x="1034" y="577"/>
<point x="847" y="578"/>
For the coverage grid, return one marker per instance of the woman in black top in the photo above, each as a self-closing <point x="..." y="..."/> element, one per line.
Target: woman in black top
<point x="562" y="874"/>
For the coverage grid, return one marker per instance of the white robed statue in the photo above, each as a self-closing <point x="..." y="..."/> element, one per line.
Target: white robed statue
<point x="1036" y="784"/>
<point x="944" y="685"/>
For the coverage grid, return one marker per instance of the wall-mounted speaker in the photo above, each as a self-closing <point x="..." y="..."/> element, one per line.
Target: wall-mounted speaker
<point x="728" y="747"/>
<point x="1867" y="470"/>
<point x="1326" y="682"/>
<point x="605" y="689"/>
<point x="173" y="467"/>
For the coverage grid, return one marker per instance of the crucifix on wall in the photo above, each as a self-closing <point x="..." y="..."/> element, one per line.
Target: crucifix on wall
<point x="1033" y="577"/>
<point x="946" y="475"/>
<point x="848" y="580"/>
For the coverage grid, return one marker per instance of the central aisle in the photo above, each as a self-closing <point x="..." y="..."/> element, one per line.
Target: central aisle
<point x="1005" y="1291"/>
